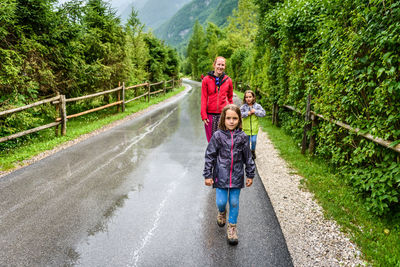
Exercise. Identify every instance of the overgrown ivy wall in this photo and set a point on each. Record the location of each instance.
(346, 54)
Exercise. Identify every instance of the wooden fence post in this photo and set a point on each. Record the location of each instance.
(173, 83)
(63, 114)
(123, 96)
(311, 146)
(118, 96)
(148, 95)
(275, 109)
(306, 126)
(58, 111)
(165, 87)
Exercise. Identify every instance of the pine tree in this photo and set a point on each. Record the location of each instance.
(197, 50)
(137, 50)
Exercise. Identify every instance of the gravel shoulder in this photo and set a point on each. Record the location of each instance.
(312, 240)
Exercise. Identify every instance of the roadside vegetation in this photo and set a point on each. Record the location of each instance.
(46, 140)
(74, 49)
(376, 236)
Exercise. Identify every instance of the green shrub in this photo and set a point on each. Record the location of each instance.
(346, 54)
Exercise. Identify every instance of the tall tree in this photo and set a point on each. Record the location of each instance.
(137, 49)
(197, 50)
(242, 28)
(163, 61)
(104, 42)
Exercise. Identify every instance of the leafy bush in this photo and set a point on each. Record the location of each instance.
(346, 55)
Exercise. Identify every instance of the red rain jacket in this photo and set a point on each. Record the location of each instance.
(214, 98)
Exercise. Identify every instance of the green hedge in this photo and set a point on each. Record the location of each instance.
(346, 54)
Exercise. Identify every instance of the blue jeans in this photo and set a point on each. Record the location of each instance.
(252, 141)
(222, 199)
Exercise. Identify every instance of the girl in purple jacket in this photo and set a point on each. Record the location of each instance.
(227, 153)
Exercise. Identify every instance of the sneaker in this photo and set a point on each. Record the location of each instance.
(221, 218)
(232, 234)
(253, 153)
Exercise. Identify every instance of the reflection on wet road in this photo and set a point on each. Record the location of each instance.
(132, 196)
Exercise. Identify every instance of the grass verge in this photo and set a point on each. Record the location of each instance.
(46, 139)
(377, 237)
(239, 94)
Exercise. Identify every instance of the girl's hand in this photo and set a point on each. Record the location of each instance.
(209, 181)
(206, 121)
(249, 182)
(253, 111)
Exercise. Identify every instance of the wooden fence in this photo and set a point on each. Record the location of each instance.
(61, 105)
(311, 119)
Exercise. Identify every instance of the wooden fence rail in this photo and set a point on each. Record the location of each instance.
(314, 116)
(10, 111)
(311, 121)
(33, 130)
(60, 101)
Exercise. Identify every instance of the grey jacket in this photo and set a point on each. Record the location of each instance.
(225, 157)
(259, 111)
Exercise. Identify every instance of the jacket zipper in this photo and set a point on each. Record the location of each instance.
(218, 100)
(251, 126)
(230, 175)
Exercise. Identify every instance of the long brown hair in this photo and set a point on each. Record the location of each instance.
(249, 92)
(233, 107)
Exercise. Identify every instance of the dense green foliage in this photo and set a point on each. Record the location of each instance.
(75, 49)
(178, 29)
(345, 54)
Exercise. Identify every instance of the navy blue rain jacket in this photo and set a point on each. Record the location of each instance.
(226, 154)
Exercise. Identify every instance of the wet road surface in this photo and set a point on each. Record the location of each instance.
(133, 196)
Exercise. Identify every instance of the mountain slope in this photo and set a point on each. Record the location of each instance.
(153, 13)
(179, 28)
(156, 12)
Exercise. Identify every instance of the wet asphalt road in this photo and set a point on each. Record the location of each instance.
(133, 196)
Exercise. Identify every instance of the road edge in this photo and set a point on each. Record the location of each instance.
(83, 137)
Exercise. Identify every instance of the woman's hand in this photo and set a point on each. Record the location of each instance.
(209, 181)
(249, 182)
(206, 121)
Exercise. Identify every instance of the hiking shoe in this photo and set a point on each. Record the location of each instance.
(232, 234)
(221, 218)
(253, 153)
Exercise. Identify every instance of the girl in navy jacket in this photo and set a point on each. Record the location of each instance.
(227, 153)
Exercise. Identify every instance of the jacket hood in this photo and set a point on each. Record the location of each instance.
(211, 73)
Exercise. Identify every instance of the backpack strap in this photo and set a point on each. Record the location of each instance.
(224, 80)
(220, 83)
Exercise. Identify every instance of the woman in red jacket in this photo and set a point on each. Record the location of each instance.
(216, 93)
